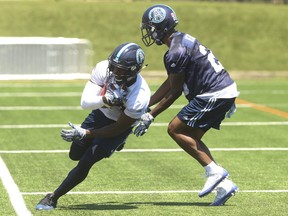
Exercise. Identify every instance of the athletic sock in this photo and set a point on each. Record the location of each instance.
(213, 168)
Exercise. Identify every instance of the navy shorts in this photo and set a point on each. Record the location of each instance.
(96, 119)
(205, 114)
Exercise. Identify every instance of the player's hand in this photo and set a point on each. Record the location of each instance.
(144, 123)
(114, 95)
(76, 133)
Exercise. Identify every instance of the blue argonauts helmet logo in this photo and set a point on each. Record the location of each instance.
(157, 15)
(140, 56)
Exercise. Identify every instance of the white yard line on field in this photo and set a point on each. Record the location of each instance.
(278, 92)
(12, 189)
(151, 192)
(33, 126)
(141, 150)
(42, 85)
(179, 106)
(28, 126)
(18, 108)
(65, 85)
(42, 94)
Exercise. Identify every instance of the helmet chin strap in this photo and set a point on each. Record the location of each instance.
(127, 82)
(156, 38)
(158, 42)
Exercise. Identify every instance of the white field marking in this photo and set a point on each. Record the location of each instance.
(151, 192)
(180, 106)
(9, 108)
(12, 189)
(34, 126)
(52, 94)
(42, 94)
(12, 108)
(140, 150)
(153, 125)
(57, 77)
(41, 85)
(267, 92)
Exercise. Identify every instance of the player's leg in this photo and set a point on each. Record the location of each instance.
(97, 149)
(189, 139)
(189, 126)
(92, 155)
(77, 150)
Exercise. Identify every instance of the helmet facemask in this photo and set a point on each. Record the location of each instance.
(150, 34)
(121, 75)
(147, 32)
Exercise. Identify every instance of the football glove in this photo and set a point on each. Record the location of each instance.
(144, 123)
(114, 95)
(76, 133)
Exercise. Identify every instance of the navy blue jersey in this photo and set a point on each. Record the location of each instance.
(203, 72)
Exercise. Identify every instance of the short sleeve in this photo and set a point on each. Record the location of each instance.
(176, 60)
(99, 73)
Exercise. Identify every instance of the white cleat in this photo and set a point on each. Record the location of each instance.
(225, 190)
(213, 179)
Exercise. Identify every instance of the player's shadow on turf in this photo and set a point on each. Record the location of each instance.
(182, 204)
(130, 205)
(103, 206)
(170, 203)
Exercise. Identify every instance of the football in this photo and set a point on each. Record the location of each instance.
(103, 90)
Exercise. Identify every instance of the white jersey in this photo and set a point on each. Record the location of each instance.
(137, 99)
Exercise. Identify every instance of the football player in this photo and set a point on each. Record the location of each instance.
(192, 69)
(117, 95)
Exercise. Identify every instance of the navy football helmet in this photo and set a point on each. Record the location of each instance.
(157, 21)
(125, 62)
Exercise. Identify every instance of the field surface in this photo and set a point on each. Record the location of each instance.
(151, 176)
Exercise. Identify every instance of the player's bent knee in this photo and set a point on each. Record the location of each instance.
(77, 150)
(171, 130)
(74, 157)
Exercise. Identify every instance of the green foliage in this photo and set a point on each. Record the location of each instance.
(242, 36)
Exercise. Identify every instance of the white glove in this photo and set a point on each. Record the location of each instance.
(114, 95)
(142, 127)
(77, 133)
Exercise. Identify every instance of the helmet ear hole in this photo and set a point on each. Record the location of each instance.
(133, 68)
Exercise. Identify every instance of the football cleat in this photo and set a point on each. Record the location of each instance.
(225, 190)
(213, 179)
(120, 147)
(47, 203)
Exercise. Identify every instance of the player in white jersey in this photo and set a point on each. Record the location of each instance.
(118, 96)
(193, 70)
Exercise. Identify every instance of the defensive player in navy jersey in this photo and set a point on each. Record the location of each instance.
(194, 70)
(117, 95)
